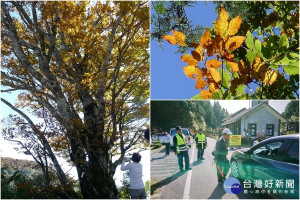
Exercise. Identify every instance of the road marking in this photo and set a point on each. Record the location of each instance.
(187, 187)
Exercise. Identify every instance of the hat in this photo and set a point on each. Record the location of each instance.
(178, 128)
(226, 131)
(200, 129)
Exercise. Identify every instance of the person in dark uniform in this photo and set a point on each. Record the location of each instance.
(181, 149)
(220, 154)
(201, 143)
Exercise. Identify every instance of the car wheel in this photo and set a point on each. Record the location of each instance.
(235, 169)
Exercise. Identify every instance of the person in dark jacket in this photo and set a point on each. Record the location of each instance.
(220, 154)
(181, 149)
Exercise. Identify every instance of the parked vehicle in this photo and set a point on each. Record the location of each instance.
(276, 158)
(158, 137)
(185, 132)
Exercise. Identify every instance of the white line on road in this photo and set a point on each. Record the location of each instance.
(187, 187)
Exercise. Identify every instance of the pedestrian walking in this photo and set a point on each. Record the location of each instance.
(220, 154)
(181, 149)
(136, 187)
(167, 140)
(201, 144)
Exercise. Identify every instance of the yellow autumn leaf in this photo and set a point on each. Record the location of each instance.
(234, 25)
(189, 60)
(258, 68)
(205, 94)
(205, 39)
(198, 53)
(192, 71)
(203, 71)
(194, 44)
(270, 76)
(258, 64)
(210, 50)
(234, 42)
(219, 44)
(213, 64)
(180, 37)
(215, 74)
(221, 25)
(224, 15)
(233, 65)
(169, 38)
(200, 83)
(244, 73)
(213, 87)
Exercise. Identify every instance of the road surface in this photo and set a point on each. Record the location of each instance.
(198, 183)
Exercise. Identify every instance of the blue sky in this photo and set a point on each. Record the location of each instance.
(168, 80)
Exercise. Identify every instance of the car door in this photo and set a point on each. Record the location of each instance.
(262, 160)
(287, 169)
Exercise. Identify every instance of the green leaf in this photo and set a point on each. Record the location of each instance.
(283, 41)
(282, 61)
(292, 68)
(227, 66)
(267, 52)
(250, 56)
(257, 46)
(226, 78)
(235, 75)
(294, 55)
(240, 89)
(226, 94)
(217, 95)
(249, 40)
(197, 97)
(274, 66)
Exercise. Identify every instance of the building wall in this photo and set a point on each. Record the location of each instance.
(261, 117)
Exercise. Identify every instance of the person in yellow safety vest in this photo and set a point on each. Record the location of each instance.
(181, 149)
(201, 144)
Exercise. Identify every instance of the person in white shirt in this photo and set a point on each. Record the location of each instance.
(167, 140)
(136, 187)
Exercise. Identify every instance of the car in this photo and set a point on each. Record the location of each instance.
(275, 159)
(158, 137)
(185, 131)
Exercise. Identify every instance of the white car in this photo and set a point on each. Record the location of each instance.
(158, 137)
(185, 132)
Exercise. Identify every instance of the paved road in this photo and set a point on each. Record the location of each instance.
(198, 183)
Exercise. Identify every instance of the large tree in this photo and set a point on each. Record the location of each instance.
(87, 64)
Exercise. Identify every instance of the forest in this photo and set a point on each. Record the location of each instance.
(188, 114)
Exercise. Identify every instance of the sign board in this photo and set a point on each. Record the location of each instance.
(290, 132)
(235, 140)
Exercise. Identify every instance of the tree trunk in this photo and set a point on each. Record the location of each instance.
(97, 181)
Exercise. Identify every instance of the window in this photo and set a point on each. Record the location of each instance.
(269, 150)
(270, 129)
(252, 129)
(293, 153)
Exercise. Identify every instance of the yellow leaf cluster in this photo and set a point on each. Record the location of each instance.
(176, 38)
(224, 42)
